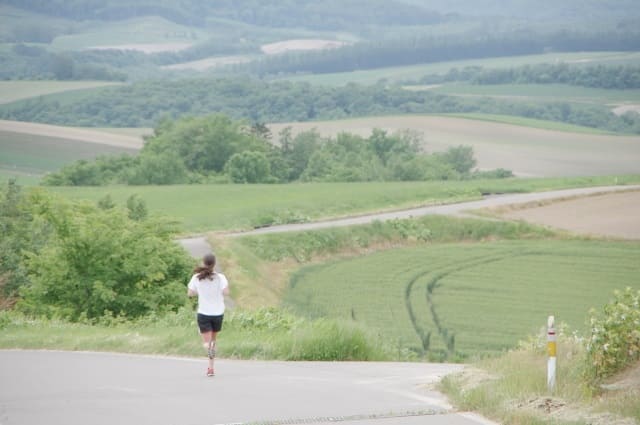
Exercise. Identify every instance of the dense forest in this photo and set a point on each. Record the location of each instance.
(146, 103)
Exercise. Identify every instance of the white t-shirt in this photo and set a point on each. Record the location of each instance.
(210, 295)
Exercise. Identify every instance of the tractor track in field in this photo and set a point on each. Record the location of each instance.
(448, 338)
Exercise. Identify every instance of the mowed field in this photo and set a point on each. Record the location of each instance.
(29, 150)
(467, 298)
(527, 151)
(11, 91)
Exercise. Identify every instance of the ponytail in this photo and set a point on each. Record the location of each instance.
(206, 270)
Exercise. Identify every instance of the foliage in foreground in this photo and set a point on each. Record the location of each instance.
(615, 336)
(77, 260)
(512, 388)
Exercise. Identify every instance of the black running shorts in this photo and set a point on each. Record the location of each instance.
(209, 323)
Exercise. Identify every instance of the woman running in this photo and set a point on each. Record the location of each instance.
(210, 287)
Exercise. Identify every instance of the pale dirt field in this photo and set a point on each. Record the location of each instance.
(623, 109)
(302, 44)
(204, 64)
(84, 135)
(615, 215)
(528, 152)
(146, 48)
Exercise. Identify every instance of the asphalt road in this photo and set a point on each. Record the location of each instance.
(77, 388)
(448, 209)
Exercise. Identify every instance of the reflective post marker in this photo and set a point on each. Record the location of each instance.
(551, 348)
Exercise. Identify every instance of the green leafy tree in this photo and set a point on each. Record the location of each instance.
(101, 263)
(20, 233)
(137, 208)
(460, 158)
(249, 167)
(162, 168)
(204, 144)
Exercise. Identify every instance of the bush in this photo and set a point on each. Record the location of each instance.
(615, 337)
(102, 264)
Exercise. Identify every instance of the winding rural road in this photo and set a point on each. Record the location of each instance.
(102, 388)
(198, 245)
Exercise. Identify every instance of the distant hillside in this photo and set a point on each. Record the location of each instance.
(326, 15)
(535, 9)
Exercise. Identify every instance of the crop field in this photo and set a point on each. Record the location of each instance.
(11, 91)
(33, 155)
(527, 151)
(467, 299)
(542, 92)
(415, 72)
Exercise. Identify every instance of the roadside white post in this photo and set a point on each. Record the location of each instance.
(551, 349)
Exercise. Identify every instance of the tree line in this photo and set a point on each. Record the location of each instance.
(217, 148)
(430, 49)
(618, 77)
(146, 103)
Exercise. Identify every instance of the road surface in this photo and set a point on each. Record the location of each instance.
(79, 388)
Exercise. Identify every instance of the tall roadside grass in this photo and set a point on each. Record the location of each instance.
(267, 334)
(512, 387)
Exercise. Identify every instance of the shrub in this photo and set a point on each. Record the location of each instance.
(615, 337)
(102, 264)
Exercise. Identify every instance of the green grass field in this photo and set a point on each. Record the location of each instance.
(532, 123)
(542, 92)
(32, 155)
(467, 298)
(228, 207)
(415, 72)
(11, 91)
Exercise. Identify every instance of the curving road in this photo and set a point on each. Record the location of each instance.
(79, 388)
(198, 245)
